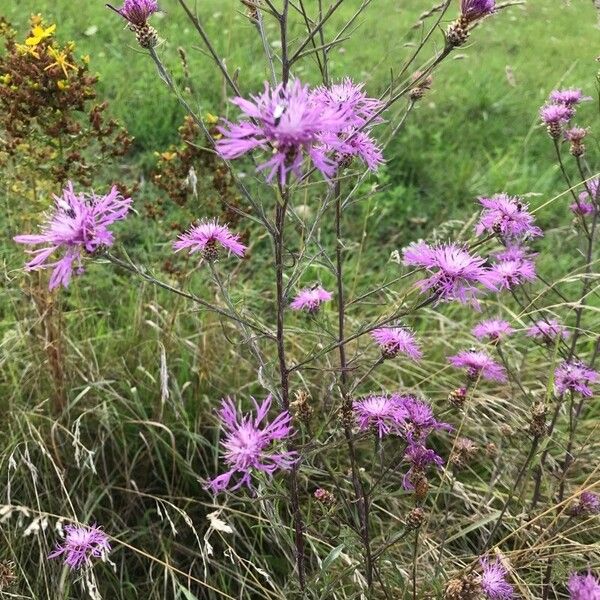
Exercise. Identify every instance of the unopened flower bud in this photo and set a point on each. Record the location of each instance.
(537, 424)
(458, 397)
(300, 407)
(464, 452)
(415, 518)
(457, 33)
(422, 85)
(466, 587)
(324, 497)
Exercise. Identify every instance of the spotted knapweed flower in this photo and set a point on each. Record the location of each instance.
(568, 97)
(455, 273)
(548, 330)
(582, 207)
(507, 216)
(587, 504)
(354, 140)
(250, 444)
(288, 122)
(419, 457)
(507, 274)
(493, 580)
(137, 11)
(397, 340)
(416, 419)
(360, 108)
(554, 116)
(591, 187)
(206, 237)
(478, 364)
(583, 587)
(77, 227)
(493, 330)
(82, 544)
(472, 10)
(380, 413)
(576, 377)
(310, 299)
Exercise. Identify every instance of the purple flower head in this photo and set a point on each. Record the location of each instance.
(493, 580)
(574, 377)
(206, 237)
(576, 135)
(249, 443)
(351, 143)
(555, 114)
(419, 457)
(583, 587)
(310, 299)
(568, 97)
(593, 185)
(476, 9)
(350, 96)
(397, 340)
(417, 420)
(81, 545)
(507, 216)
(588, 504)
(78, 226)
(507, 274)
(137, 11)
(455, 274)
(547, 330)
(382, 413)
(493, 330)
(478, 364)
(582, 207)
(286, 120)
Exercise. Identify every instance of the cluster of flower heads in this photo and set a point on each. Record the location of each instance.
(558, 111)
(251, 444)
(292, 122)
(406, 416)
(583, 587)
(78, 226)
(82, 544)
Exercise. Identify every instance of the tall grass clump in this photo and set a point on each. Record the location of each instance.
(248, 405)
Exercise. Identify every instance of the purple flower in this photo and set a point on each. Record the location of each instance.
(206, 237)
(248, 445)
(382, 413)
(555, 114)
(593, 186)
(416, 419)
(396, 340)
(478, 364)
(507, 274)
(310, 299)
(81, 545)
(583, 587)
(359, 107)
(419, 457)
(476, 9)
(493, 580)
(547, 330)
(353, 140)
(507, 216)
(455, 273)
(582, 207)
(137, 11)
(287, 121)
(574, 377)
(493, 330)
(568, 97)
(588, 504)
(576, 135)
(77, 227)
